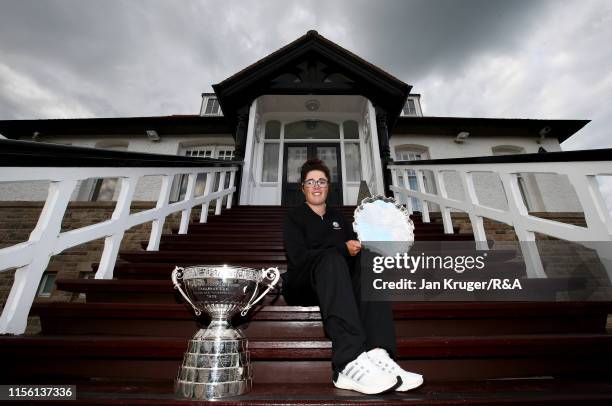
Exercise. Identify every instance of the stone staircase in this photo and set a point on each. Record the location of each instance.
(126, 342)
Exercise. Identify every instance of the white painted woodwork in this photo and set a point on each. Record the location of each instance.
(582, 176)
(31, 258)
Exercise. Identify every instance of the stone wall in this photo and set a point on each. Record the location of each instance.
(18, 219)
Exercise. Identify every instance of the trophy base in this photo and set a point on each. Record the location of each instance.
(207, 391)
(215, 368)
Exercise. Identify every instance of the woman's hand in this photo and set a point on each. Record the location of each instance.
(353, 247)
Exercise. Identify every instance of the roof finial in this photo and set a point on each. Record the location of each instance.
(312, 32)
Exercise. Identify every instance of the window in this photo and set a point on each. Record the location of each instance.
(225, 153)
(179, 187)
(45, 288)
(273, 130)
(270, 162)
(211, 107)
(407, 155)
(410, 108)
(200, 152)
(351, 130)
(353, 162)
(312, 129)
(411, 153)
(513, 150)
(102, 189)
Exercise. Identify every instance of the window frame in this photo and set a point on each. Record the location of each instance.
(43, 282)
(214, 149)
(423, 154)
(216, 107)
(408, 110)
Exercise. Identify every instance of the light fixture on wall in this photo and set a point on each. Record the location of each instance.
(153, 135)
(461, 137)
(543, 133)
(312, 105)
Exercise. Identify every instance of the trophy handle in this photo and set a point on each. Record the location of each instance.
(177, 275)
(273, 274)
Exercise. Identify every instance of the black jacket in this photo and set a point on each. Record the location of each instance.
(308, 236)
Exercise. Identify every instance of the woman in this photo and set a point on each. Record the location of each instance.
(324, 270)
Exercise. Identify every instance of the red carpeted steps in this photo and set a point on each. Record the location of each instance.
(490, 392)
(418, 319)
(135, 328)
(285, 360)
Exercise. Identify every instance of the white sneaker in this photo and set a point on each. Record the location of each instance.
(363, 376)
(381, 359)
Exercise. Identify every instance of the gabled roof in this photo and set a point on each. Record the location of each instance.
(383, 89)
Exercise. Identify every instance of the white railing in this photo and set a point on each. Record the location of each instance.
(31, 258)
(581, 174)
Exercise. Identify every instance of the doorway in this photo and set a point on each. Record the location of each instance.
(295, 156)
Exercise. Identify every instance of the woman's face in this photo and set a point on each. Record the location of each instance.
(315, 194)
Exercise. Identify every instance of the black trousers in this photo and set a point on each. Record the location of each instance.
(334, 284)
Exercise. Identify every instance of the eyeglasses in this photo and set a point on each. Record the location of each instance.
(322, 183)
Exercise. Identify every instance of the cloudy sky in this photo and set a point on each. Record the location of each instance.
(85, 58)
(477, 58)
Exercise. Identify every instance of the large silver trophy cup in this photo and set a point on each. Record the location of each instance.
(217, 363)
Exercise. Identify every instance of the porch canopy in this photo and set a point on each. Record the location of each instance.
(314, 65)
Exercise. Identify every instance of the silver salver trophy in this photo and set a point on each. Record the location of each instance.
(384, 226)
(217, 362)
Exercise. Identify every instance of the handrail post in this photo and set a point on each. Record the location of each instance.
(407, 186)
(14, 318)
(424, 203)
(112, 243)
(231, 185)
(189, 193)
(157, 226)
(210, 178)
(480, 236)
(447, 220)
(219, 189)
(526, 238)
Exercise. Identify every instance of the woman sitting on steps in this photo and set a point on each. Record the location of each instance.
(323, 269)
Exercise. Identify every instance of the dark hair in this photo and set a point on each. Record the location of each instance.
(314, 164)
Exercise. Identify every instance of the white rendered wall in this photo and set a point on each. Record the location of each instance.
(147, 187)
(546, 192)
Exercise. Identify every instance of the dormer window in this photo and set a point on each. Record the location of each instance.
(210, 106)
(410, 108)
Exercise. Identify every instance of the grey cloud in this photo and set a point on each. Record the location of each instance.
(126, 58)
(414, 38)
